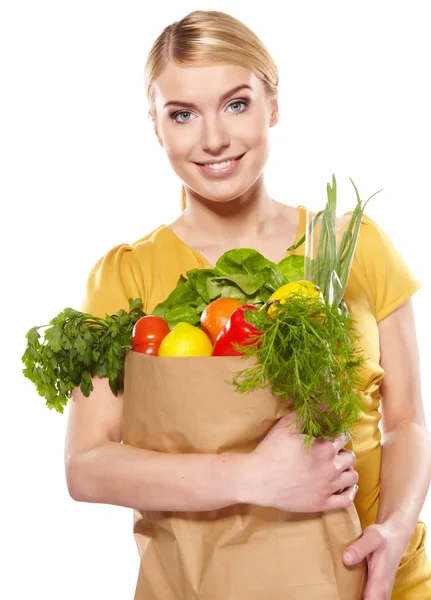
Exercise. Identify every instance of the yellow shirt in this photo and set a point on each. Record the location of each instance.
(380, 281)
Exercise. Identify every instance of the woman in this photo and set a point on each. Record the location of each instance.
(212, 89)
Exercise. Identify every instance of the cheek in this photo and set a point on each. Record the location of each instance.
(253, 130)
(257, 140)
(178, 144)
(180, 148)
(177, 141)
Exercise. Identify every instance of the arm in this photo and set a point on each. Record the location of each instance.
(100, 469)
(406, 448)
(406, 458)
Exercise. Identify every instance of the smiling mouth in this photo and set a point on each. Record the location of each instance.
(237, 158)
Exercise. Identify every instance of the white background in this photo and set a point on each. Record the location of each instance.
(82, 172)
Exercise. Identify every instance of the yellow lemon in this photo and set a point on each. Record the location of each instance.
(186, 340)
(302, 287)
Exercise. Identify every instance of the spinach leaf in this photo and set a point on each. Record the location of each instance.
(292, 268)
(247, 261)
(201, 282)
(249, 284)
(182, 313)
(182, 295)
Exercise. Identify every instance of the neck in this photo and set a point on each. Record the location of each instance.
(246, 217)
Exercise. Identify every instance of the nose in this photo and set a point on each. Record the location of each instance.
(214, 135)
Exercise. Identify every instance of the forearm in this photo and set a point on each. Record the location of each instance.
(126, 476)
(405, 475)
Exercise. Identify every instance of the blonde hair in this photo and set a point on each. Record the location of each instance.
(205, 37)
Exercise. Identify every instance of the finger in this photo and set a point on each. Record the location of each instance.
(341, 499)
(341, 441)
(345, 459)
(347, 478)
(376, 589)
(370, 541)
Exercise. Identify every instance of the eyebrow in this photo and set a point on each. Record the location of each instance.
(222, 97)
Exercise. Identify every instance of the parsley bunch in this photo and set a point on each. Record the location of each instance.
(308, 355)
(77, 346)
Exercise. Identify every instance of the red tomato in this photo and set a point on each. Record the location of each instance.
(150, 349)
(149, 330)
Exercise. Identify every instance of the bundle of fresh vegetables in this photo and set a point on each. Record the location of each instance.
(75, 347)
(289, 316)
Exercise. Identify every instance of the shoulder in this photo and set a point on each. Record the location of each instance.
(151, 241)
(377, 250)
(120, 274)
(383, 268)
(372, 243)
(370, 231)
(127, 256)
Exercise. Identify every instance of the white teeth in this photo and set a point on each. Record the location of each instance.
(219, 166)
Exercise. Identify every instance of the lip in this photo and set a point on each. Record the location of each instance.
(222, 172)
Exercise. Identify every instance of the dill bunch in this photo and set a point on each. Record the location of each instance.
(307, 355)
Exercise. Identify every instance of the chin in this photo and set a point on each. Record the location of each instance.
(223, 193)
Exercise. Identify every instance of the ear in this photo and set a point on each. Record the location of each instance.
(274, 111)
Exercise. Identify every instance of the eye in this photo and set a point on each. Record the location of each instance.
(177, 113)
(245, 102)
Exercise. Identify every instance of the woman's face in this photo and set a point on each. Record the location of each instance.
(206, 122)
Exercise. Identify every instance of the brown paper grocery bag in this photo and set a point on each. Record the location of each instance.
(241, 552)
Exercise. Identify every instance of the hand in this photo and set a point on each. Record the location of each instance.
(280, 474)
(383, 545)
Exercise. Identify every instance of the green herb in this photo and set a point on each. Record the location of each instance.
(77, 346)
(307, 354)
(330, 268)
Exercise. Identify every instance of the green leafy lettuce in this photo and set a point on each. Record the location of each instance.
(242, 273)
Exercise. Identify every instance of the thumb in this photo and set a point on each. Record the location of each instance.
(369, 542)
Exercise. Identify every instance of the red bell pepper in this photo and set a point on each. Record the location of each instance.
(238, 330)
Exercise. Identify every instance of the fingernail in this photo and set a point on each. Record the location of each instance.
(349, 557)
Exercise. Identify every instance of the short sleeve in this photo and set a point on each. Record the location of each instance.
(114, 279)
(390, 279)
